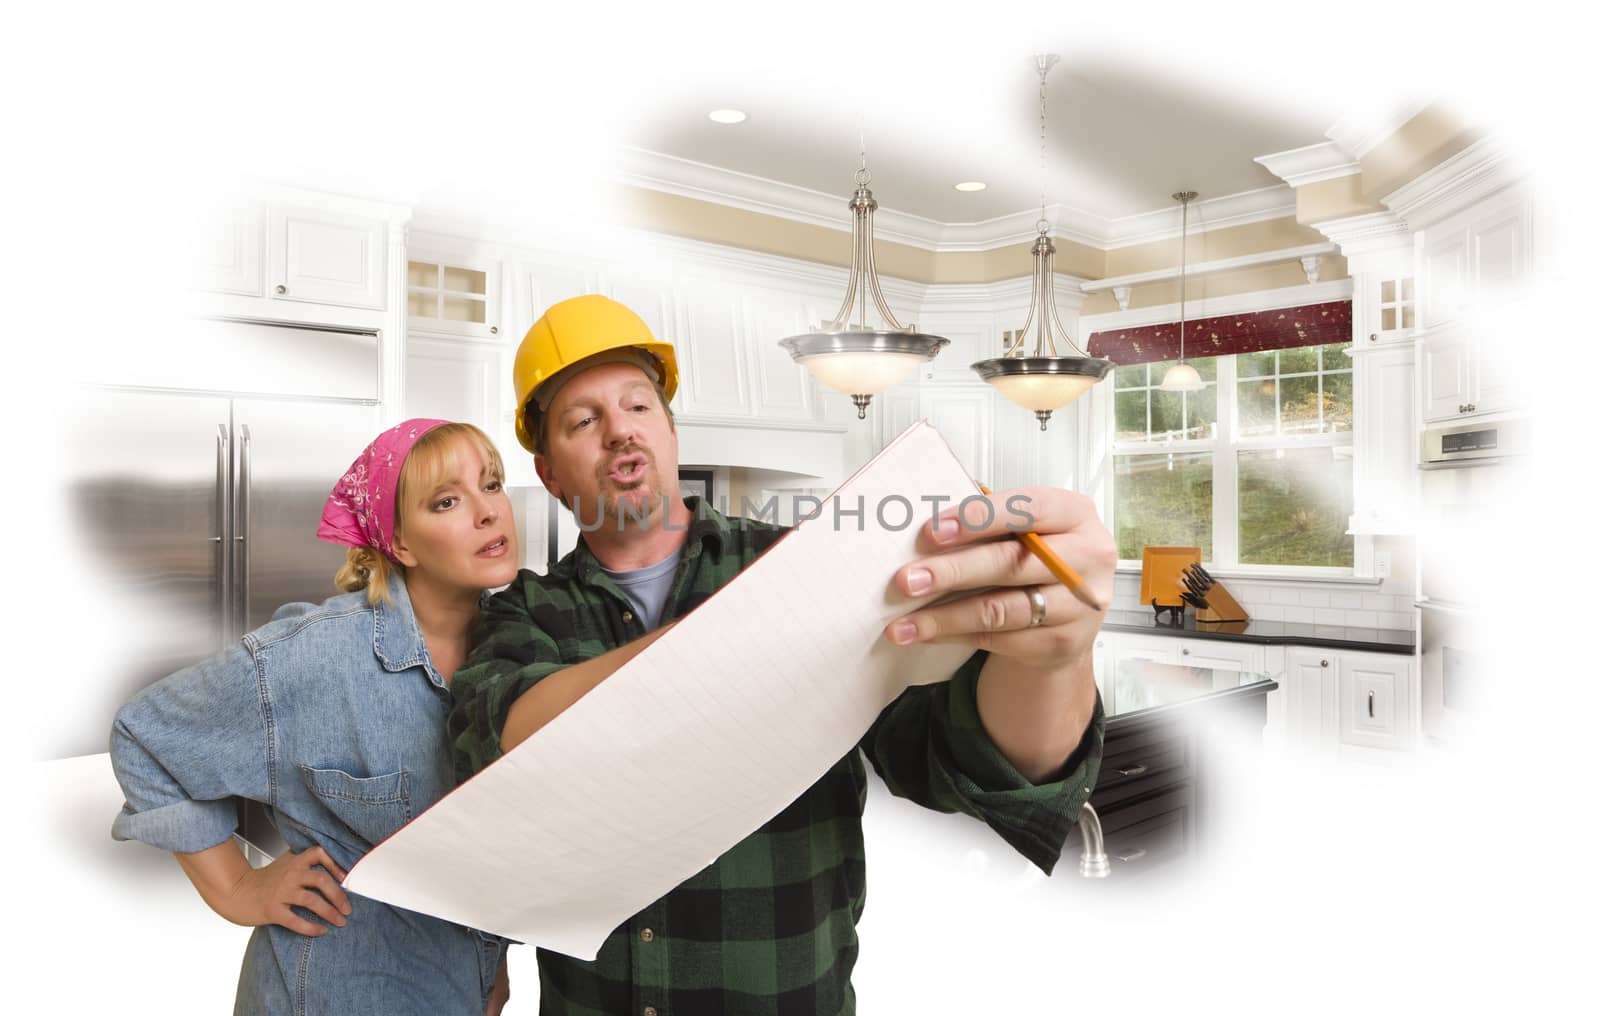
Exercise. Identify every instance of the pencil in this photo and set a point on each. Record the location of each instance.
(1059, 568)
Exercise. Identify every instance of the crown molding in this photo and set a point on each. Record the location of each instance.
(1357, 134)
(1371, 233)
(1311, 164)
(1260, 205)
(713, 184)
(1465, 178)
(1270, 257)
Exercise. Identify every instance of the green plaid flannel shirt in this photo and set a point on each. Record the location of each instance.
(770, 926)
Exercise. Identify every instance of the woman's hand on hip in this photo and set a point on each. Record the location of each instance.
(308, 880)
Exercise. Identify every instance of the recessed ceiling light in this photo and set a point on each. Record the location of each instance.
(972, 185)
(728, 115)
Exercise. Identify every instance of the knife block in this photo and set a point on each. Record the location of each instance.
(1220, 606)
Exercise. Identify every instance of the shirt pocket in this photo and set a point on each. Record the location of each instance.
(373, 807)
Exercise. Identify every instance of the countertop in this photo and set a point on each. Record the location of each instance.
(1331, 636)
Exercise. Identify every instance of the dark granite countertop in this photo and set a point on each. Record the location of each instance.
(1330, 636)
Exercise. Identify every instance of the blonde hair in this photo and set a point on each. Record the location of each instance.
(429, 462)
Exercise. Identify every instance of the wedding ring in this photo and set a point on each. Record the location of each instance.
(1036, 601)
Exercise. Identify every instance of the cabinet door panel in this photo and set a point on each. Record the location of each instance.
(1447, 366)
(964, 416)
(318, 257)
(452, 381)
(1374, 703)
(232, 247)
(782, 388)
(1444, 275)
(711, 355)
(1312, 706)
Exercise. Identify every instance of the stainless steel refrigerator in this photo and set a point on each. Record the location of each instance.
(199, 501)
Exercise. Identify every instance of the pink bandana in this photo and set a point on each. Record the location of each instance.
(360, 511)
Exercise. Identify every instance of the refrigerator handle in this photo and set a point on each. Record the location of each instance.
(242, 537)
(224, 563)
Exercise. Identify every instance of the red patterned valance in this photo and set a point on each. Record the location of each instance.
(1313, 325)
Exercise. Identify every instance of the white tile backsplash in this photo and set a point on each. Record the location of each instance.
(1384, 605)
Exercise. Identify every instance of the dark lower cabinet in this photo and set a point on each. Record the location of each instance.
(1153, 789)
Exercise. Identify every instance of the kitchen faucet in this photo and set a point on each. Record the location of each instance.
(1093, 863)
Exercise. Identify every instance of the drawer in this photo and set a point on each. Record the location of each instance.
(1163, 836)
(1141, 762)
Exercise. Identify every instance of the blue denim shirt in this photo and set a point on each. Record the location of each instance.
(333, 716)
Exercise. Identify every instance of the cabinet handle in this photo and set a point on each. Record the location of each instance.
(494, 329)
(1370, 713)
(1136, 770)
(1472, 407)
(1373, 337)
(1127, 856)
(1324, 663)
(280, 289)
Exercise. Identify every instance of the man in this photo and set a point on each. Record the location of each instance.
(1014, 738)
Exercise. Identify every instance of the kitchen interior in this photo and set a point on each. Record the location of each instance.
(1303, 644)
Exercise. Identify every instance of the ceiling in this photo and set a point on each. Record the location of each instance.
(1120, 138)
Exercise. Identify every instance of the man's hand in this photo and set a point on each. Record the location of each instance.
(1036, 692)
(983, 558)
(257, 896)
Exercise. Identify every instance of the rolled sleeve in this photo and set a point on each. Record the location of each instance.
(929, 746)
(185, 747)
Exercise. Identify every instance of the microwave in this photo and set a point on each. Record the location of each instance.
(1472, 444)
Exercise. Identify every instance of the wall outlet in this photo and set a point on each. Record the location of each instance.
(1380, 564)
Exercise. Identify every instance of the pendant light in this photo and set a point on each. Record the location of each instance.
(1042, 381)
(856, 358)
(1181, 377)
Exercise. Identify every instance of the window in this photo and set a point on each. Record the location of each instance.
(1254, 468)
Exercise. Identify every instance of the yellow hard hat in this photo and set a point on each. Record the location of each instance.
(573, 331)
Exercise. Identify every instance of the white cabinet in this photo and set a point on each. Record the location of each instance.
(1216, 654)
(453, 380)
(1384, 300)
(232, 262)
(1385, 465)
(1349, 702)
(304, 256)
(1446, 288)
(451, 294)
(1375, 700)
(1449, 374)
(1467, 371)
(1310, 682)
(1473, 268)
(315, 255)
(964, 415)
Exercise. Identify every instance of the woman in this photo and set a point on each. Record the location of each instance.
(334, 716)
